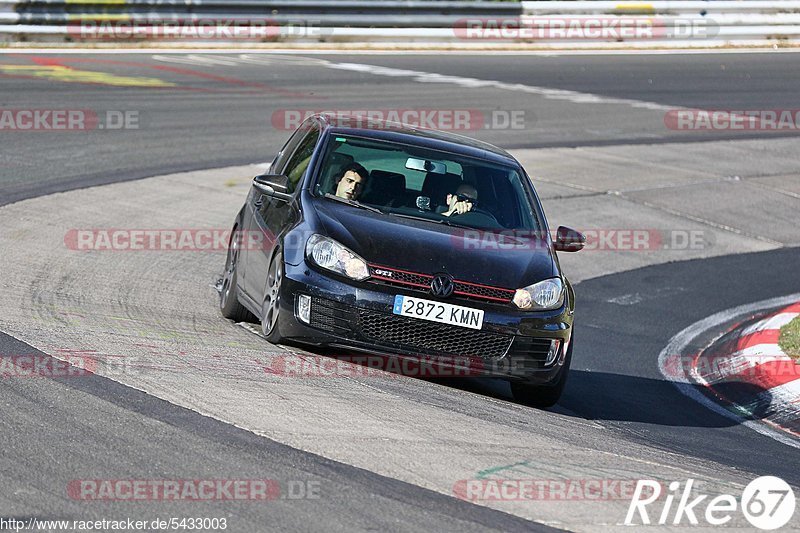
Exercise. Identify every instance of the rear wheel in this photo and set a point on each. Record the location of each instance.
(271, 308)
(229, 295)
(544, 395)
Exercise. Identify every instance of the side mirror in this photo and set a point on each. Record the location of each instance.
(569, 240)
(274, 185)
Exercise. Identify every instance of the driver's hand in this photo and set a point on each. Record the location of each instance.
(456, 207)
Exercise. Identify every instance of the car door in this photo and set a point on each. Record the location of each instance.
(253, 237)
(271, 217)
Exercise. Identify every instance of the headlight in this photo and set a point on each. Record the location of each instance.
(330, 255)
(547, 294)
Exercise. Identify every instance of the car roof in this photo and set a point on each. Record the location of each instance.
(363, 126)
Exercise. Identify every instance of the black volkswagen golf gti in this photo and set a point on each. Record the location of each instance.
(391, 240)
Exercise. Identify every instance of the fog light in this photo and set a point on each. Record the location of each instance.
(553, 353)
(304, 308)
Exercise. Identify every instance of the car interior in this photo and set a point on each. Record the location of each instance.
(396, 185)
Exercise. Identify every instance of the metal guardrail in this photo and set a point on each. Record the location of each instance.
(503, 24)
(714, 22)
(326, 13)
(660, 6)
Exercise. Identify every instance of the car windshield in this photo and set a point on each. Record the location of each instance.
(441, 187)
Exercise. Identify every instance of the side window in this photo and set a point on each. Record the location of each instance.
(301, 157)
(287, 150)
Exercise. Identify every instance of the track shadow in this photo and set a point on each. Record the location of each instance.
(601, 396)
(605, 397)
(614, 397)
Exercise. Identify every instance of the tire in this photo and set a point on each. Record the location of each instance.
(542, 396)
(271, 308)
(229, 304)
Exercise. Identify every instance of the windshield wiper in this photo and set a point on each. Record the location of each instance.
(354, 203)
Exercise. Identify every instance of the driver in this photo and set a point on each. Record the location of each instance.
(462, 201)
(354, 178)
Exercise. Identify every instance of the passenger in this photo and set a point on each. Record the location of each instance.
(462, 201)
(352, 182)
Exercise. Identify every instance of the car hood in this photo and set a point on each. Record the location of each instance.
(428, 248)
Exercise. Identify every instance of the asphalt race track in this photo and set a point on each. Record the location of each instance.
(239, 96)
(181, 393)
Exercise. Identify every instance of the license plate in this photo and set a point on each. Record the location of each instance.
(455, 315)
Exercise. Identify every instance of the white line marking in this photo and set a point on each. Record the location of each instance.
(681, 340)
(182, 59)
(196, 59)
(773, 322)
(475, 83)
(211, 60)
(779, 400)
(432, 77)
(237, 60)
(700, 220)
(758, 351)
(281, 59)
(788, 392)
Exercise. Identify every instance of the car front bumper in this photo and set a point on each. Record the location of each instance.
(358, 316)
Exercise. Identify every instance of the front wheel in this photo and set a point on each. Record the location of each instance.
(542, 396)
(271, 308)
(229, 304)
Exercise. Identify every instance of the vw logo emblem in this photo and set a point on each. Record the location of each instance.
(442, 285)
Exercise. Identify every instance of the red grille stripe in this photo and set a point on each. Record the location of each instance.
(512, 291)
(400, 282)
(481, 296)
(460, 284)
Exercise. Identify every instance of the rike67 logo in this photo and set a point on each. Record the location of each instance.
(767, 502)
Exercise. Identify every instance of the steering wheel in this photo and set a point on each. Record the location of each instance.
(483, 211)
(477, 215)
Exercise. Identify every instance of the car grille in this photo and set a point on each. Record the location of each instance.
(533, 349)
(423, 282)
(404, 333)
(331, 316)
